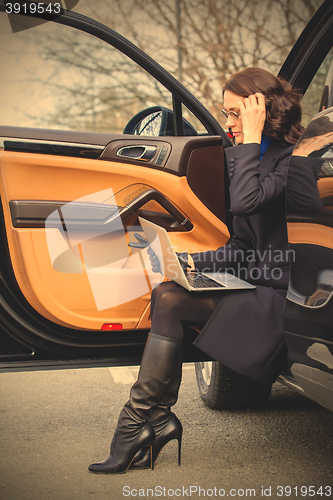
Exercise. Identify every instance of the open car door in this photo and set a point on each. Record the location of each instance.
(75, 281)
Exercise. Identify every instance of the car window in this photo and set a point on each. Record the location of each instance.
(193, 121)
(54, 76)
(314, 99)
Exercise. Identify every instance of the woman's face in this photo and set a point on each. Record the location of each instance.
(231, 103)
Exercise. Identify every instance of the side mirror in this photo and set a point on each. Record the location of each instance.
(156, 121)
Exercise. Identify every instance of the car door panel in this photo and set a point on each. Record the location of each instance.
(66, 298)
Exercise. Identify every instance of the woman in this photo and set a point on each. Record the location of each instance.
(241, 329)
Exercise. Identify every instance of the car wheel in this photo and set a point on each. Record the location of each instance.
(223, 388)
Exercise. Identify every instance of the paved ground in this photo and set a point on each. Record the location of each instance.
(54, 423)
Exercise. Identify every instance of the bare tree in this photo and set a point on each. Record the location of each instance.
(201, 42)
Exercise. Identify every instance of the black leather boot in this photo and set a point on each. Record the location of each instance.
(165, 423)
(134, 432)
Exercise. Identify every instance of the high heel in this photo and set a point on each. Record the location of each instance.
(165, 432)
(134, 430)
(126, 443)
(179, 448)
(165, 423)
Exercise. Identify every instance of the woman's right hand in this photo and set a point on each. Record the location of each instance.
(253, 114)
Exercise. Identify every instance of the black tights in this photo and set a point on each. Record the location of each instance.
(172, 306)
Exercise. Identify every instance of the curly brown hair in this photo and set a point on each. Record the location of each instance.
(283, 109)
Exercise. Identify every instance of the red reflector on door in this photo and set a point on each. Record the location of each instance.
(112, 326)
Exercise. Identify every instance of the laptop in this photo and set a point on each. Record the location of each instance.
(194, 281)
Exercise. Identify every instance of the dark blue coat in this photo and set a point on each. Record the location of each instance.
(245, 332)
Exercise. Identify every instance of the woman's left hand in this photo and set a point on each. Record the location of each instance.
(253, 113)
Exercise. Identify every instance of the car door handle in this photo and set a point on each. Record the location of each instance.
(143, 153)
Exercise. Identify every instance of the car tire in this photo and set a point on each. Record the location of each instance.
(223, 388)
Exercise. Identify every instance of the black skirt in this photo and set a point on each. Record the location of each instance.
(245, 332)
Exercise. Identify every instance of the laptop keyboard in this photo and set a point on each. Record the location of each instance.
(198, 280)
